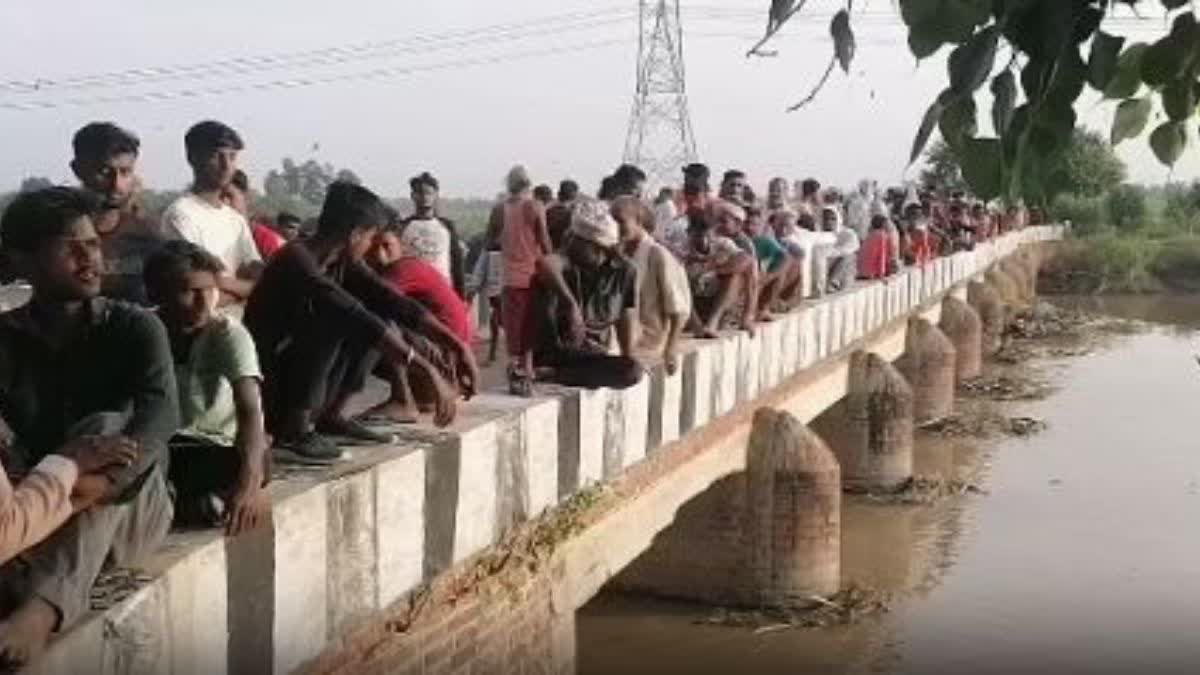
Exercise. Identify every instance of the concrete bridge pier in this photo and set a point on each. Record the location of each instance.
(962, 324)
(1005, 285)
(871, 430)
(929, 364)
(768, 537)
(793, 514)
(1019, 276)
(1031, 261)
(986, 301)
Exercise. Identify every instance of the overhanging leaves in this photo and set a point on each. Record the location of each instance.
(1102, 59)
(932, 23)
(958, 122)
(932, 116)
(982, 166)
(971, 64)
(1128, 78)
(1168, 142)
(1179, 100)
(1004, 100)
(1131, 119)
(843, 39)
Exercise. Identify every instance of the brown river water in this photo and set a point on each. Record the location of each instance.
(1083, 556)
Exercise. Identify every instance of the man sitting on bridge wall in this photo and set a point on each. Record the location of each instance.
(75, 363)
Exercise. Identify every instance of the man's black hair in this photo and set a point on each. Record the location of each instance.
(167, 266)
(608, 188)
(209, 136)
(626, 178)
(241, 181)
(629, 174)
(568, 190)
(543, 193)
(810, 186)
(733, 174)
(34, 218)
(425, 178)
(696, 170)
(101, 141)
(349, 207)
(284, 218)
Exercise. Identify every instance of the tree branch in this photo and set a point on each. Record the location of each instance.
(812, 95)
(756, 49)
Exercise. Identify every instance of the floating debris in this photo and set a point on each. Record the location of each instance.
(920, 491)
(1006, 387)
(1026, 426)
(983, 421)
(848, 606)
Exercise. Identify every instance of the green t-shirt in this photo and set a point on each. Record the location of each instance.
(221, 354)
(770, 253)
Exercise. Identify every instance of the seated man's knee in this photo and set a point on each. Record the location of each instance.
(104, 423)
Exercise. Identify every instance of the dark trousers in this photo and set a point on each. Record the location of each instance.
(62, 569)
(593, 371)
(320, 365)
(202, 475)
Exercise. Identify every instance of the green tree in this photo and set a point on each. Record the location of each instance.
(1052, 50)
(1126, 206)
(942, 168)
(303, 186)
(1087, 167)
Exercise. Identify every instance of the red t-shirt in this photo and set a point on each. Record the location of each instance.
(876, 253)
(922, 246)
(423, 282)
(267, 241)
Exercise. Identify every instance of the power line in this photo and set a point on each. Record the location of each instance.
(327, 56)
(296, 83)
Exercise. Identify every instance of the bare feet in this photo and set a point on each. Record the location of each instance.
(707, 333)
(24, 634)
(748, 326)
(766, 316)
(394, 411)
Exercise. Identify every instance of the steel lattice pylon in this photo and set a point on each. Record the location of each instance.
(660, 138)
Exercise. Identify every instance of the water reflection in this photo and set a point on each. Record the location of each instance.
(1081, 559)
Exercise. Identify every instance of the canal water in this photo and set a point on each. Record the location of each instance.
(1084, 556)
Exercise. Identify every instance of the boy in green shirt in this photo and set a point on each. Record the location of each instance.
(219, 460)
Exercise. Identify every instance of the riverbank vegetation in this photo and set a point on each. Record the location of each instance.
(1132, 239)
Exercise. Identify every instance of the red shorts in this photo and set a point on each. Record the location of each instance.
(515, 315)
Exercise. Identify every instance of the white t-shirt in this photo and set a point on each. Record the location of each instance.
(429, 240)
(663, 291)
(220, 230)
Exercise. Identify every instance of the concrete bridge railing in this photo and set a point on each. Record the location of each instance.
(376, 565)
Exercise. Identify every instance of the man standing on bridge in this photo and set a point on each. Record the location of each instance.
(202, 217)
(106, 165)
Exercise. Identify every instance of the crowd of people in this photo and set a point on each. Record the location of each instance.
(162, 364)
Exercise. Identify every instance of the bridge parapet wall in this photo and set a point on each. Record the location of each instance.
(351, 542)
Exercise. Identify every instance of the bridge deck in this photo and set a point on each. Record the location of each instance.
(351, 540)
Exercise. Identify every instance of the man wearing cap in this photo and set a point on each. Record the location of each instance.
(720, 273)
(581, 295)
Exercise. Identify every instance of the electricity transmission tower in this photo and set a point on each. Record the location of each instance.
(660, 138)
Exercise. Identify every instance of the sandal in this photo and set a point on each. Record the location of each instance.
(520, 383)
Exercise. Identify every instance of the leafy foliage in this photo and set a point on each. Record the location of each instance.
(304, 183)
(1087, 167)
(1127, 208)
(1046, 42)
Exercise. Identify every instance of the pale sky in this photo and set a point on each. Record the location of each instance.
(562, 112)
